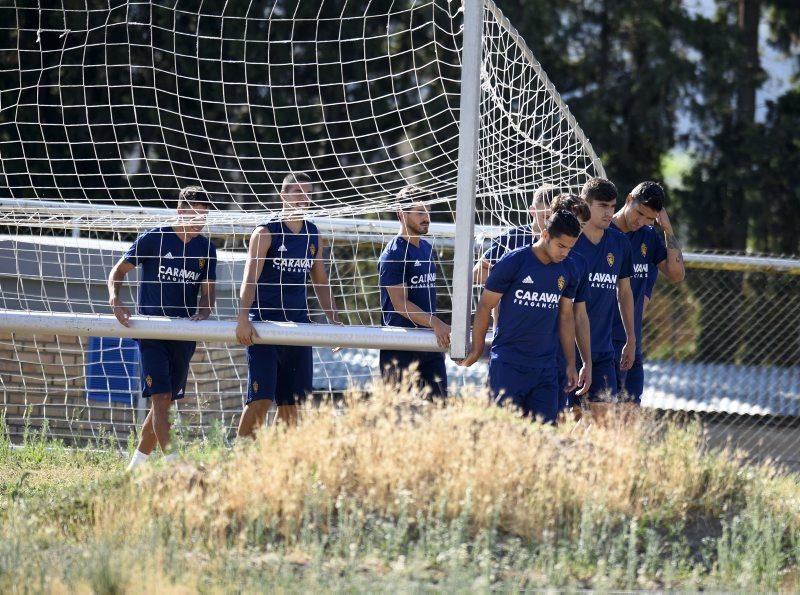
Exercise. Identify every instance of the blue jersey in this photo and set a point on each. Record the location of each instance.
(527, 325)
(652, 277)
(403, 263)
(281, 290)
(514, 238)
(647, 251)
(172, 271)
(608, 261)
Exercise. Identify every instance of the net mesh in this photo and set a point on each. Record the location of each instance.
(108, 109)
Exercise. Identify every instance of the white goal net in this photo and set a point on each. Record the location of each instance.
(108, 109)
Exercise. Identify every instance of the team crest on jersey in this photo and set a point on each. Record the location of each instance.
(644, 249)
(313, 249)
(149, 381)
(202, 263)
(561, 283)
(610, 259)
(255, 387)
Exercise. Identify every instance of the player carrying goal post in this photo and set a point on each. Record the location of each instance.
(282, 255)
(178, 263)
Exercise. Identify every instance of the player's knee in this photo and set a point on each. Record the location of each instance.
(161, 401)
(258, 408)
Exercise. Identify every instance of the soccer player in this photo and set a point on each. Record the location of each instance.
(608, 255)
(516, 237)
(652, 252)
(282, 255)
(578, 207)
(408, 275)
(178, 263)
(533, 288)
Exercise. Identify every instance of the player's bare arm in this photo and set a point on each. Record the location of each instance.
(480, 272)
(322, 288)
(625, 299)
(260, 241)
(673, 267)
(398, 294)
(115, 280)
(583, 338)
(566, 332)
(487, 303)
(208, 297)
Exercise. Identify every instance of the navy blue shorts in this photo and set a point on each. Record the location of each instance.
(631, 382)
(604, 377)
(165, 366)
(533, 390)
(430, 366)
(280, 373)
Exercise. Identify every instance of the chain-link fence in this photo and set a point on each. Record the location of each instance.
(725, 344)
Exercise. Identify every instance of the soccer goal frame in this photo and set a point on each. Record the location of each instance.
(460, 235)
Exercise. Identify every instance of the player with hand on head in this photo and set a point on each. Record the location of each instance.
(178, 264)
(408, 275)
(652, 252)
(281, 258)
(532, 288)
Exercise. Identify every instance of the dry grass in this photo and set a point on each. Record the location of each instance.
(393, 454)
(396, 489)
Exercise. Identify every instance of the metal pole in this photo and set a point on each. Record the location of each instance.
(217, 331)
(465, 191)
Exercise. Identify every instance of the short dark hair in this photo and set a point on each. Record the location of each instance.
(545, 194)
(192, 196)
(563, 223)
(651, 195)
(574, 204)
(411, 195)
(599, 189)
(295, 178)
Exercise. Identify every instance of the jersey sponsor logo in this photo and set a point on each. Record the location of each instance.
(528, 279)
(282, 248)
(176, 274)
(643, 249)
(417, 263)
(424, 280)
(149, 381)
(168, 255)
(293, 265)
(640, 271)
(561, 282)
(610, 259)
(536, 299)
(603, 280)
(202, 263)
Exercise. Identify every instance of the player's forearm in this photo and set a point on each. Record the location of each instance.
(480, 325)
(208, 297)
(583, 335)
(480, 272)
(625, 298)
(415, 314)
(114, 284)
(566, 331)
(327, 303)
(675, 268)
(247, 295)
